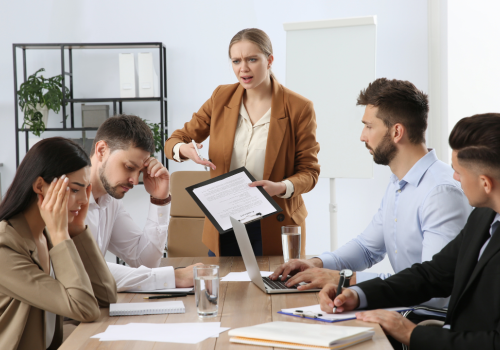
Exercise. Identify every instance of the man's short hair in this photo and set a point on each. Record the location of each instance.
(398, 101)
(477, 142)
(123, 131)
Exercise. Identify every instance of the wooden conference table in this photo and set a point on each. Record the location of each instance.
(241, 304)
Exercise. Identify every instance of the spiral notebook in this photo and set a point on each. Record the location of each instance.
(154, 308)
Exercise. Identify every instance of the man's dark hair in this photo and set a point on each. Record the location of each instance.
(398, 101)
(123, 131)
(477, 141)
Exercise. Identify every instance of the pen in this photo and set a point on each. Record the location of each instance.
(166, 296)
(339, 290)
(197, 150)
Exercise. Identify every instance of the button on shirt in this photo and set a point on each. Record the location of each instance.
(418, 216)
(249, 147)
(113, 229)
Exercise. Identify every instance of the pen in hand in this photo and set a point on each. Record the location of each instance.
(339, 290)
(198, 152)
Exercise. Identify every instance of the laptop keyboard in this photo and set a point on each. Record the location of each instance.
(278, 284)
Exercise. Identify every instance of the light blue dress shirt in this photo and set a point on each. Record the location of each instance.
(418, 216)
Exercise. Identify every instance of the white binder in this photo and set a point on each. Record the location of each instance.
(127, 75)
(148, 79)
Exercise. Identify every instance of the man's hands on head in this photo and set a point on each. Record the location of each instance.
(156, 178)
(393, 323)
(184, 277)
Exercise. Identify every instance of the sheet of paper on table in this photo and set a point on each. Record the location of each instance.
(316, 309)
(158, 291)
(186, 333)
(242, 276)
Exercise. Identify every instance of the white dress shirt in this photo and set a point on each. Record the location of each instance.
(50, 318)
(114, 230)
(249, 147)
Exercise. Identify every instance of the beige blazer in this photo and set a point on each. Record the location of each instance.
(82, 276)
(291, 153)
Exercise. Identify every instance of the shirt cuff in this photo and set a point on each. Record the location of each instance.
(363, 303)
(328, 261)
(365, 276)
(176, 152)
(164, 277)
(159, 213)
(289, 189)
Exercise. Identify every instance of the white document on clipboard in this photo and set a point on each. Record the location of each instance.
(229, 195)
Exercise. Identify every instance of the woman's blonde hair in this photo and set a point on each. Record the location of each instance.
(256, 36)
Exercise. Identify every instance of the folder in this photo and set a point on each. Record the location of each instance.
(292, 335)
(148, 79)
(127, 75)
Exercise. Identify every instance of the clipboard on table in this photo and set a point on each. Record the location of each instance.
(269, 205)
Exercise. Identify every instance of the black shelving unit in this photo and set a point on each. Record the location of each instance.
(67, 49)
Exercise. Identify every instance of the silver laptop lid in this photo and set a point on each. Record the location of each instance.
(247, 253)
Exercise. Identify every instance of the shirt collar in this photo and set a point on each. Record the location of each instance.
(266, 118)
(414, 176)
(103, 201)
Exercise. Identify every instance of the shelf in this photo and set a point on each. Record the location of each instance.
(113, 99)
(40, 46)
(64, 129)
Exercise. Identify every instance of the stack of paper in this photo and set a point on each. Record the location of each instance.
(186, 333)
(292, 335)
(242, 276)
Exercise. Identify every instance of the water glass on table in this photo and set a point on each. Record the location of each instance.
(206, 290)
(290, 239)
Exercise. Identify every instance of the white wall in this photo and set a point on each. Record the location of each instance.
(473, 58)
(197, 34)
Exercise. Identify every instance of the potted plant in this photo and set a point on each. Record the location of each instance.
(37, 96)
(155, 129)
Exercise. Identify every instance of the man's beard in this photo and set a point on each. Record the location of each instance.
(385, 151)
(112, 191)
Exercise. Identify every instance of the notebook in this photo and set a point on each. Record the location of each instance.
(133, 309)
(302, 336)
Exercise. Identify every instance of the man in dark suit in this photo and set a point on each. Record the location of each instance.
(468, 268)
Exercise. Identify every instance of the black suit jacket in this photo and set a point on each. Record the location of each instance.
(474, 286)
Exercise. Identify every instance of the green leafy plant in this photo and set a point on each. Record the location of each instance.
(42, 91)
(155, 129)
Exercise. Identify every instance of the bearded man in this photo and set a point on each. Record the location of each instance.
(423, 207)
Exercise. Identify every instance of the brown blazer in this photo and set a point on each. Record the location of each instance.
(26, 290)
(291, 153)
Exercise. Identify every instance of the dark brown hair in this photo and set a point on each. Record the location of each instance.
(48, 158)
(477, 141)
(401, 102)
(256, 36)
(123, 131)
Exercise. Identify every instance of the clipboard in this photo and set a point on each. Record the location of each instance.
(207, 213)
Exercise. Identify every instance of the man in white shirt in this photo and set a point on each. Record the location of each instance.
(121, 151)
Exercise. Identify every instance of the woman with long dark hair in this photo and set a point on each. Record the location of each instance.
(51, 266)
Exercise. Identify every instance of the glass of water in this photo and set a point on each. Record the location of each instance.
(290, 240)
(206, 290)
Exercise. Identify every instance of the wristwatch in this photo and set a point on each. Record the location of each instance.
(347, 277)
(158, 201)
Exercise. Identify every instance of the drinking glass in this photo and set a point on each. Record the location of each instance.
(290, 239)
(206, 290)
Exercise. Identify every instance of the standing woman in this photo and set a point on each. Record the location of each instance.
(51, 265)
(259, 124)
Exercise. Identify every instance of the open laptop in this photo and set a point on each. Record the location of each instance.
(264, 283)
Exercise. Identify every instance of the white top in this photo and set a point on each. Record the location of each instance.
(50, 318)
(113, 229)
(249, 147)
